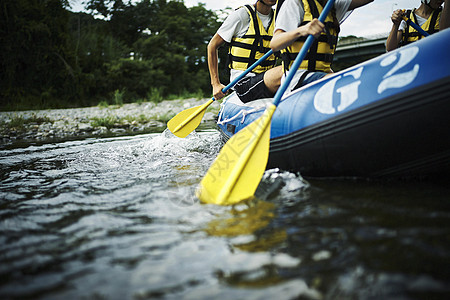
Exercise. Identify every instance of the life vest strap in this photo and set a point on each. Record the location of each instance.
(315, 61)
(331, 39)
(325, 57)
(252, 36)
(266, 63)
(408, 36)
(255, 44)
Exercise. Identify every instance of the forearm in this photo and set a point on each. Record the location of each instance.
(282, 39)
(213, 66)
(213, 61)
(392, 40)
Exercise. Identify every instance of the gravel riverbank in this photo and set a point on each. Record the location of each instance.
(26, 127)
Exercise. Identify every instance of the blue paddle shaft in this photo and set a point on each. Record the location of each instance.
(417, 27)
(301, 55)
(242, 75)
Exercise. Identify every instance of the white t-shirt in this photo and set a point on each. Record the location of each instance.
(237, 25)
(291, 15)
(420, 22)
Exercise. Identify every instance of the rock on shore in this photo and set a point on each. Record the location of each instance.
(73, 123)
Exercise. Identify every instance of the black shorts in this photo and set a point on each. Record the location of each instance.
(252, 88)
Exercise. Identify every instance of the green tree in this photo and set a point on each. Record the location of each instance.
(94, 47)
(134, 78)
(51, 57)
(36, 64)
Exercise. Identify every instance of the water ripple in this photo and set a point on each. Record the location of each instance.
(117, 218)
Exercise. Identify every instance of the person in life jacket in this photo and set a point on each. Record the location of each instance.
(295, 20)
(248, 30)
(429, 16)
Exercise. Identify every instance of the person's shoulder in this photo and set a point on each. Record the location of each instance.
(295, 2)
(290, 4)
(240, 13)
(243, 10)
(340, 3)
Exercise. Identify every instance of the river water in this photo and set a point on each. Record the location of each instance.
(116, 218)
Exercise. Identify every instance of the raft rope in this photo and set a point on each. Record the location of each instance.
(243, 113)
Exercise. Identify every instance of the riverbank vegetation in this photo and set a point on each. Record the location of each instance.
(57, 125)
(114, 53)
(118, 52)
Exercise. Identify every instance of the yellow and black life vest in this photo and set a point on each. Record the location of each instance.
(431, 26)
(246, 50)
(321, 53)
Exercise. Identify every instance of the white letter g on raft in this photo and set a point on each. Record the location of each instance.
(323, 100)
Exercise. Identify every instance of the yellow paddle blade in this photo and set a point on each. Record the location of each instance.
(186, 121)
(237, 170)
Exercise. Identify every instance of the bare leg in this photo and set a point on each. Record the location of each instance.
(272, 78)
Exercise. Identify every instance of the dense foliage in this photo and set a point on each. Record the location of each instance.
(51, 57)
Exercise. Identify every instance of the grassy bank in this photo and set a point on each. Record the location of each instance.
(103, 120)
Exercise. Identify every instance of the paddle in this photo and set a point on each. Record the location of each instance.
(415, 26)
(237, 170)
(186, 121)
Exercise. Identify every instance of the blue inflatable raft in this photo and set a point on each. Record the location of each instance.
(387, 117)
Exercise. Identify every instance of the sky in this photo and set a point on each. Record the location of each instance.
(370, 20)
